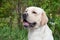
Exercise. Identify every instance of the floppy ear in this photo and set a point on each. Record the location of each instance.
(44, 19)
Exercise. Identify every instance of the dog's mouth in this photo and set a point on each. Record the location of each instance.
(25, 23)
(28, 24)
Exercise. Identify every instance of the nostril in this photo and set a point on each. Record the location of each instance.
(25, 16)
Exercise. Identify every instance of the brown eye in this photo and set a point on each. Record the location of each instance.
(34, 12)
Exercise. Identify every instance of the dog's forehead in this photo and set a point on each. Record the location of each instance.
(36, 9)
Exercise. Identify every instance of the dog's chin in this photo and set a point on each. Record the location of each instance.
(28, 24)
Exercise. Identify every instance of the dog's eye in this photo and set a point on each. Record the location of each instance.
(34, 12)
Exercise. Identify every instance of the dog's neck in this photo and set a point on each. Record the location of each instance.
(40, 28)
(35, 33)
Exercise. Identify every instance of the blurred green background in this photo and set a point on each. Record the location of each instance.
(11, 27)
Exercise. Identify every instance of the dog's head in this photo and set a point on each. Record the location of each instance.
(33, 17)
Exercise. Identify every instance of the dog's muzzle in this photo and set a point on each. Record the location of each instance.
(26, 23)
(25, 16)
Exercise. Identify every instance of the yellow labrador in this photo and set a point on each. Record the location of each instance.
(35, 19)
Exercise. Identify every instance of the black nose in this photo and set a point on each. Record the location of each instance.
(25, 16)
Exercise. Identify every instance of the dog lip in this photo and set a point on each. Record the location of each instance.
(32, 24)
(24, 20)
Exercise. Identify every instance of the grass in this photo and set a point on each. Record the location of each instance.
(7, 33)
(4, 33)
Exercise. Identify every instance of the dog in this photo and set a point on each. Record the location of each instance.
(35, 20)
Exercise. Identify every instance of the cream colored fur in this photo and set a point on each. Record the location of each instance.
(41, 31)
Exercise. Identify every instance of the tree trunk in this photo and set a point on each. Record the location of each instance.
(19, 14)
